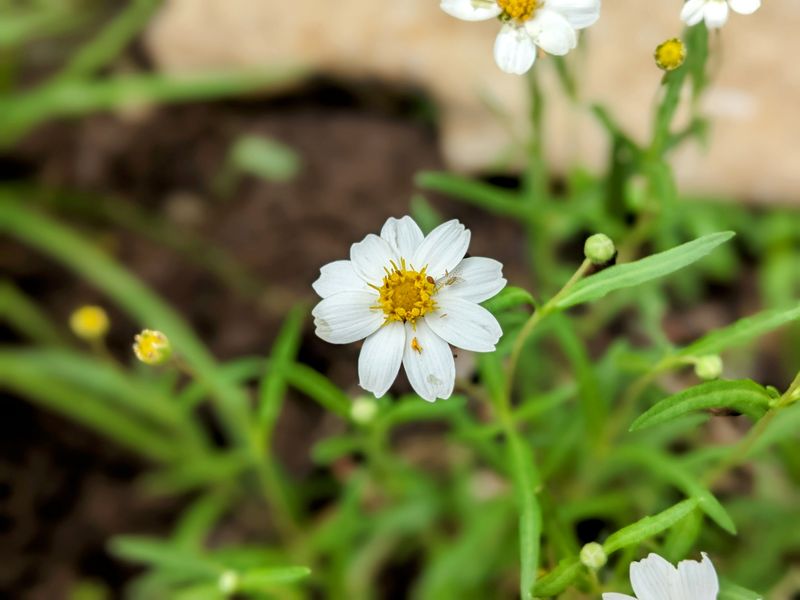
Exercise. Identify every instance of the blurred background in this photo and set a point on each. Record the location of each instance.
(223, 150)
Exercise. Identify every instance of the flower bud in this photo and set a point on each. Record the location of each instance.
(593, 556)
(152, 347)
(670, 55)
(599, 249)
(363, 410)
(708, 367)
(228, 582)
(89, 322)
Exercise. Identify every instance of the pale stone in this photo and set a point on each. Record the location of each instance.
(753, 101)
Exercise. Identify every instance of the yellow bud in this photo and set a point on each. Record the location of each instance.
(670, 55)
(89, 322)
(152, 347)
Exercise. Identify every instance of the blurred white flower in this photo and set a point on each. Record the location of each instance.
(715, 12)
(654, 578)
(410, 296)
(527, 24)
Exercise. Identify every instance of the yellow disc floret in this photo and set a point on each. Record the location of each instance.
(89, 322)
(670, 54)
(519, 10)
(406, 294)
(152, 347)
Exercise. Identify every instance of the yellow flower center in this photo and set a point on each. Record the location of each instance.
(670, 55)
(520, 10)
(406, 294)
(152, 347)
(89, 322)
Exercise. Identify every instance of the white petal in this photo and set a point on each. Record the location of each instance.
(371, 256)
(698, 580)
(404, 235)
(347, 317)
(579, 13)
(745, 7)
(471, 10)
(431, 370)
(442, 249)
(716, 13)
(475, 278)
(514, 51)
(338, 276)
(552, 32)
(380, 358)
(692, 12)
(464, 324)
(616, 596)
(652, 578)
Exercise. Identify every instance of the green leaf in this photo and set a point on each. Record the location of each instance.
(488, 197)
(665, 467)
(260, 580)
(319, 388)
(264, 158)
(273, 384)
(509, 297)
(730, 591)
(557, 580)
(740, 332)
(165, 555)
(649, 526)
(530, 518)
(742, 395)
(641, 271)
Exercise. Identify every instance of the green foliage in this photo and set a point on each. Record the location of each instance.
(484, 495)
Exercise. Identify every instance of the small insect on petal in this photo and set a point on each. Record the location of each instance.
(415, 346)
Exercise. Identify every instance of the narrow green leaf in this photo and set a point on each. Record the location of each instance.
(559, 579)
(641, 271)
(22, 313)
(742, 395)
(509, 297)
(319, 388)
(730, 591)
(663, 466)
(264, 158)
(164, 555)
(273, 384)
(530, 518)
(648, 526)
(740, 332)
(488, 197)
(260, 580)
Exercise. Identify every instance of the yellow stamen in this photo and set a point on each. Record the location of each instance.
(152, 347)
(415, 346)
(406, 294)
(89, 322)
(520, 10)
(670, 54)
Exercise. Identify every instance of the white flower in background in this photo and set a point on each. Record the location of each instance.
(410, 296)
(654, 578)
(527, 24)
(715, 12)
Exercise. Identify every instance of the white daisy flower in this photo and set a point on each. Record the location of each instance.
(527, 24)
(654, 578)
(715, 12)
(410, 296)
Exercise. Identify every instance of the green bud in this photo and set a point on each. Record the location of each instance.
(363, 410)
(228, 582)
(708, 367)
(593, 556)
(599, 249)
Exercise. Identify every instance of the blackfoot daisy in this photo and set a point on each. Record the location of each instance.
(654, 578)
(410, 297)
(715, 12)
(527, 24)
